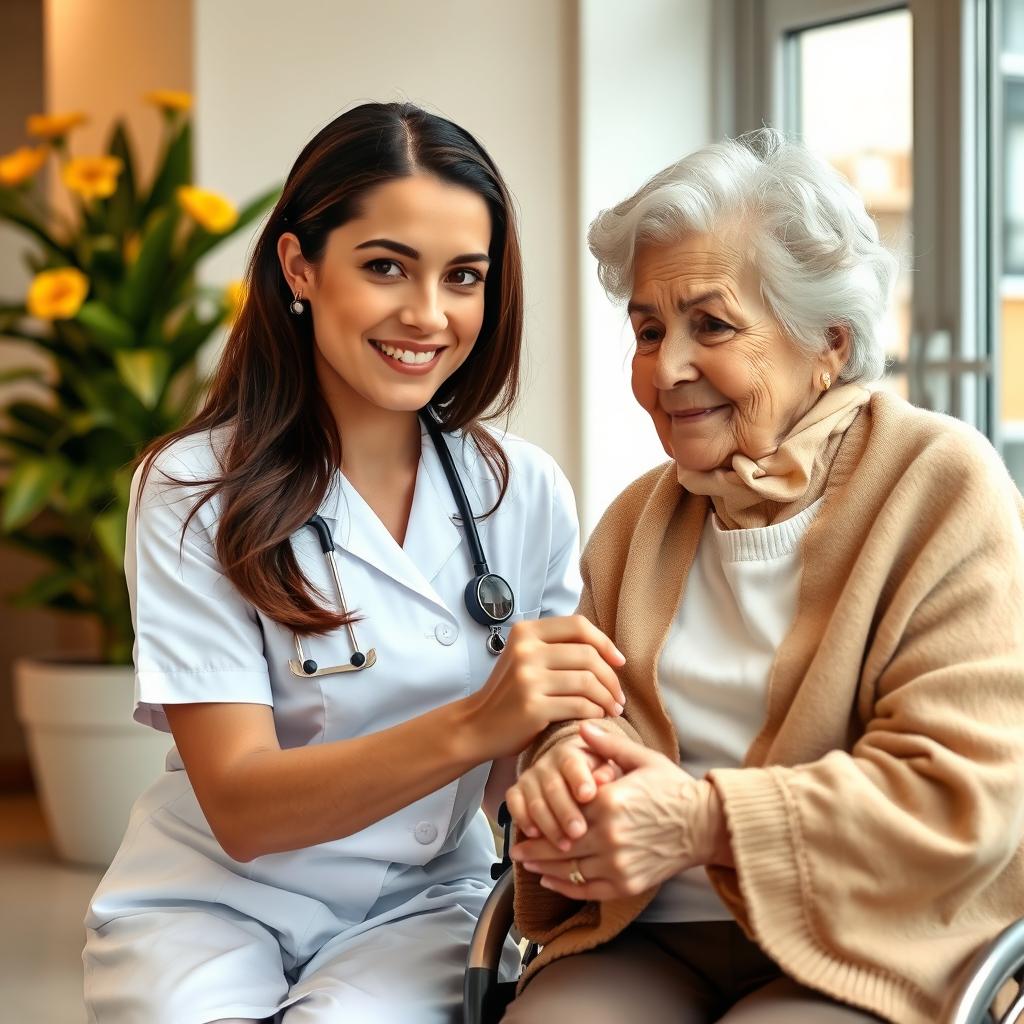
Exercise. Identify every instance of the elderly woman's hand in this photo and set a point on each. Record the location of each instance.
(653, 822)
(547, 798)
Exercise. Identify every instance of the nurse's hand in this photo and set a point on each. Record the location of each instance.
(551, 670)
(547, 799)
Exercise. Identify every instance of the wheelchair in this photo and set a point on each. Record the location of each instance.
(485, 998)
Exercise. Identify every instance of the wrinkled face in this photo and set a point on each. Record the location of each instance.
(398, 299)
(711, 367)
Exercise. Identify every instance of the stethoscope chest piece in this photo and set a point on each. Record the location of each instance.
(490, 601)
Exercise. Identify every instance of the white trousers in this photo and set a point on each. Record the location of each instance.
(185, 966)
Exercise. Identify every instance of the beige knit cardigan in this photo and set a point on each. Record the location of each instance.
(876, 824)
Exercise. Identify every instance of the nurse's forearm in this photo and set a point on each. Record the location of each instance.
(277, 800)
(503, 775)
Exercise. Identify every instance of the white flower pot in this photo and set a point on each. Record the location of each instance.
(89, 758)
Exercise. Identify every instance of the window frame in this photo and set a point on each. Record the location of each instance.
(954, 316)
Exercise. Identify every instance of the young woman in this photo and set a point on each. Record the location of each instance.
(314, 851)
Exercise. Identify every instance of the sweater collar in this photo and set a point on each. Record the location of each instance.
(749, 493)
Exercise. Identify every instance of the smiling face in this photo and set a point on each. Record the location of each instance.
(398, 298)
(711, 367)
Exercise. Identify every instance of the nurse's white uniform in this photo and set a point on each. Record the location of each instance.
(373, 927)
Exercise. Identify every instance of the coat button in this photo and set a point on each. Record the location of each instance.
(425, 833)
(446, 633)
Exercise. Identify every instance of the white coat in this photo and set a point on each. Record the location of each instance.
(180, 932)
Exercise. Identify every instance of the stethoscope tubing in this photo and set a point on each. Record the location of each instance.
(495, 643)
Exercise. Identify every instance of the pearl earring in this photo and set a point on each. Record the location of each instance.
(298, 307)
(826, 381)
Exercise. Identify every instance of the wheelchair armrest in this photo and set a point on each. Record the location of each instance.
(483, 999)
(982, 979)
(493, 925)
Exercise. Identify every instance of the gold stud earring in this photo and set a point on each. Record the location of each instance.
(826, 381)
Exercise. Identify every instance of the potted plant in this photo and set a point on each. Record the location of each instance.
(114, 307)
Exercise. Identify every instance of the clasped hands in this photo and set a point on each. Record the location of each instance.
(602, 808)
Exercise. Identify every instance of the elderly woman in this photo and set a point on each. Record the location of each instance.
(812, 807)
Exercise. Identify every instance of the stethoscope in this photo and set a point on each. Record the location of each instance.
(489, 598)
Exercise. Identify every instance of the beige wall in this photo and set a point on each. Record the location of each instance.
(267, 79)
(103, 56)
(21, 85)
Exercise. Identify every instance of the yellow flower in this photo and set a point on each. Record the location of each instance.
(20, 165)
(132, 245)
(209, 209)
(234, 299)
(53, 126)
(92, 177)
(57, 294)
(168, 99)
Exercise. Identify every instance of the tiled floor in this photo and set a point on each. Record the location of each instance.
(42, 902)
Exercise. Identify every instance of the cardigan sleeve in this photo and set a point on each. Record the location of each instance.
(899, 839)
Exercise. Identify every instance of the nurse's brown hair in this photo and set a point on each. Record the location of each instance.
(283, 446)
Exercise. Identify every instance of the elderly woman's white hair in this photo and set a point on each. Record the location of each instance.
(802, 226)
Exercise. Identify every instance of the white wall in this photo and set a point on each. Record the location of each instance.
(268, 77)
(645, 101)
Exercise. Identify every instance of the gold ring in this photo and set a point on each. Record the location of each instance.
(576, 876)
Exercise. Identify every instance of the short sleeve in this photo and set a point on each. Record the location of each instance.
(196, 639)
(562, 584)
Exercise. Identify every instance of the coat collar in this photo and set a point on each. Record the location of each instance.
(431, 537)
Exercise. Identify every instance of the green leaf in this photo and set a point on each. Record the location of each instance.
(144, 371)
(11, 312)
(78, 490)
(150, 271)
(120, 207)
(38, 419)
(106, 325)
(79, 425)
(20, 444)
(110, 529)
(123, 484)
(46, 589)
(22, 373)
(13, 210)
(29, 488)
(105, 261)
(55, 547)
(22, 335)
(190, 337)
(174, 171)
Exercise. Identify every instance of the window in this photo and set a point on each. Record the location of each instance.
(863, 125)
(921, 106)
